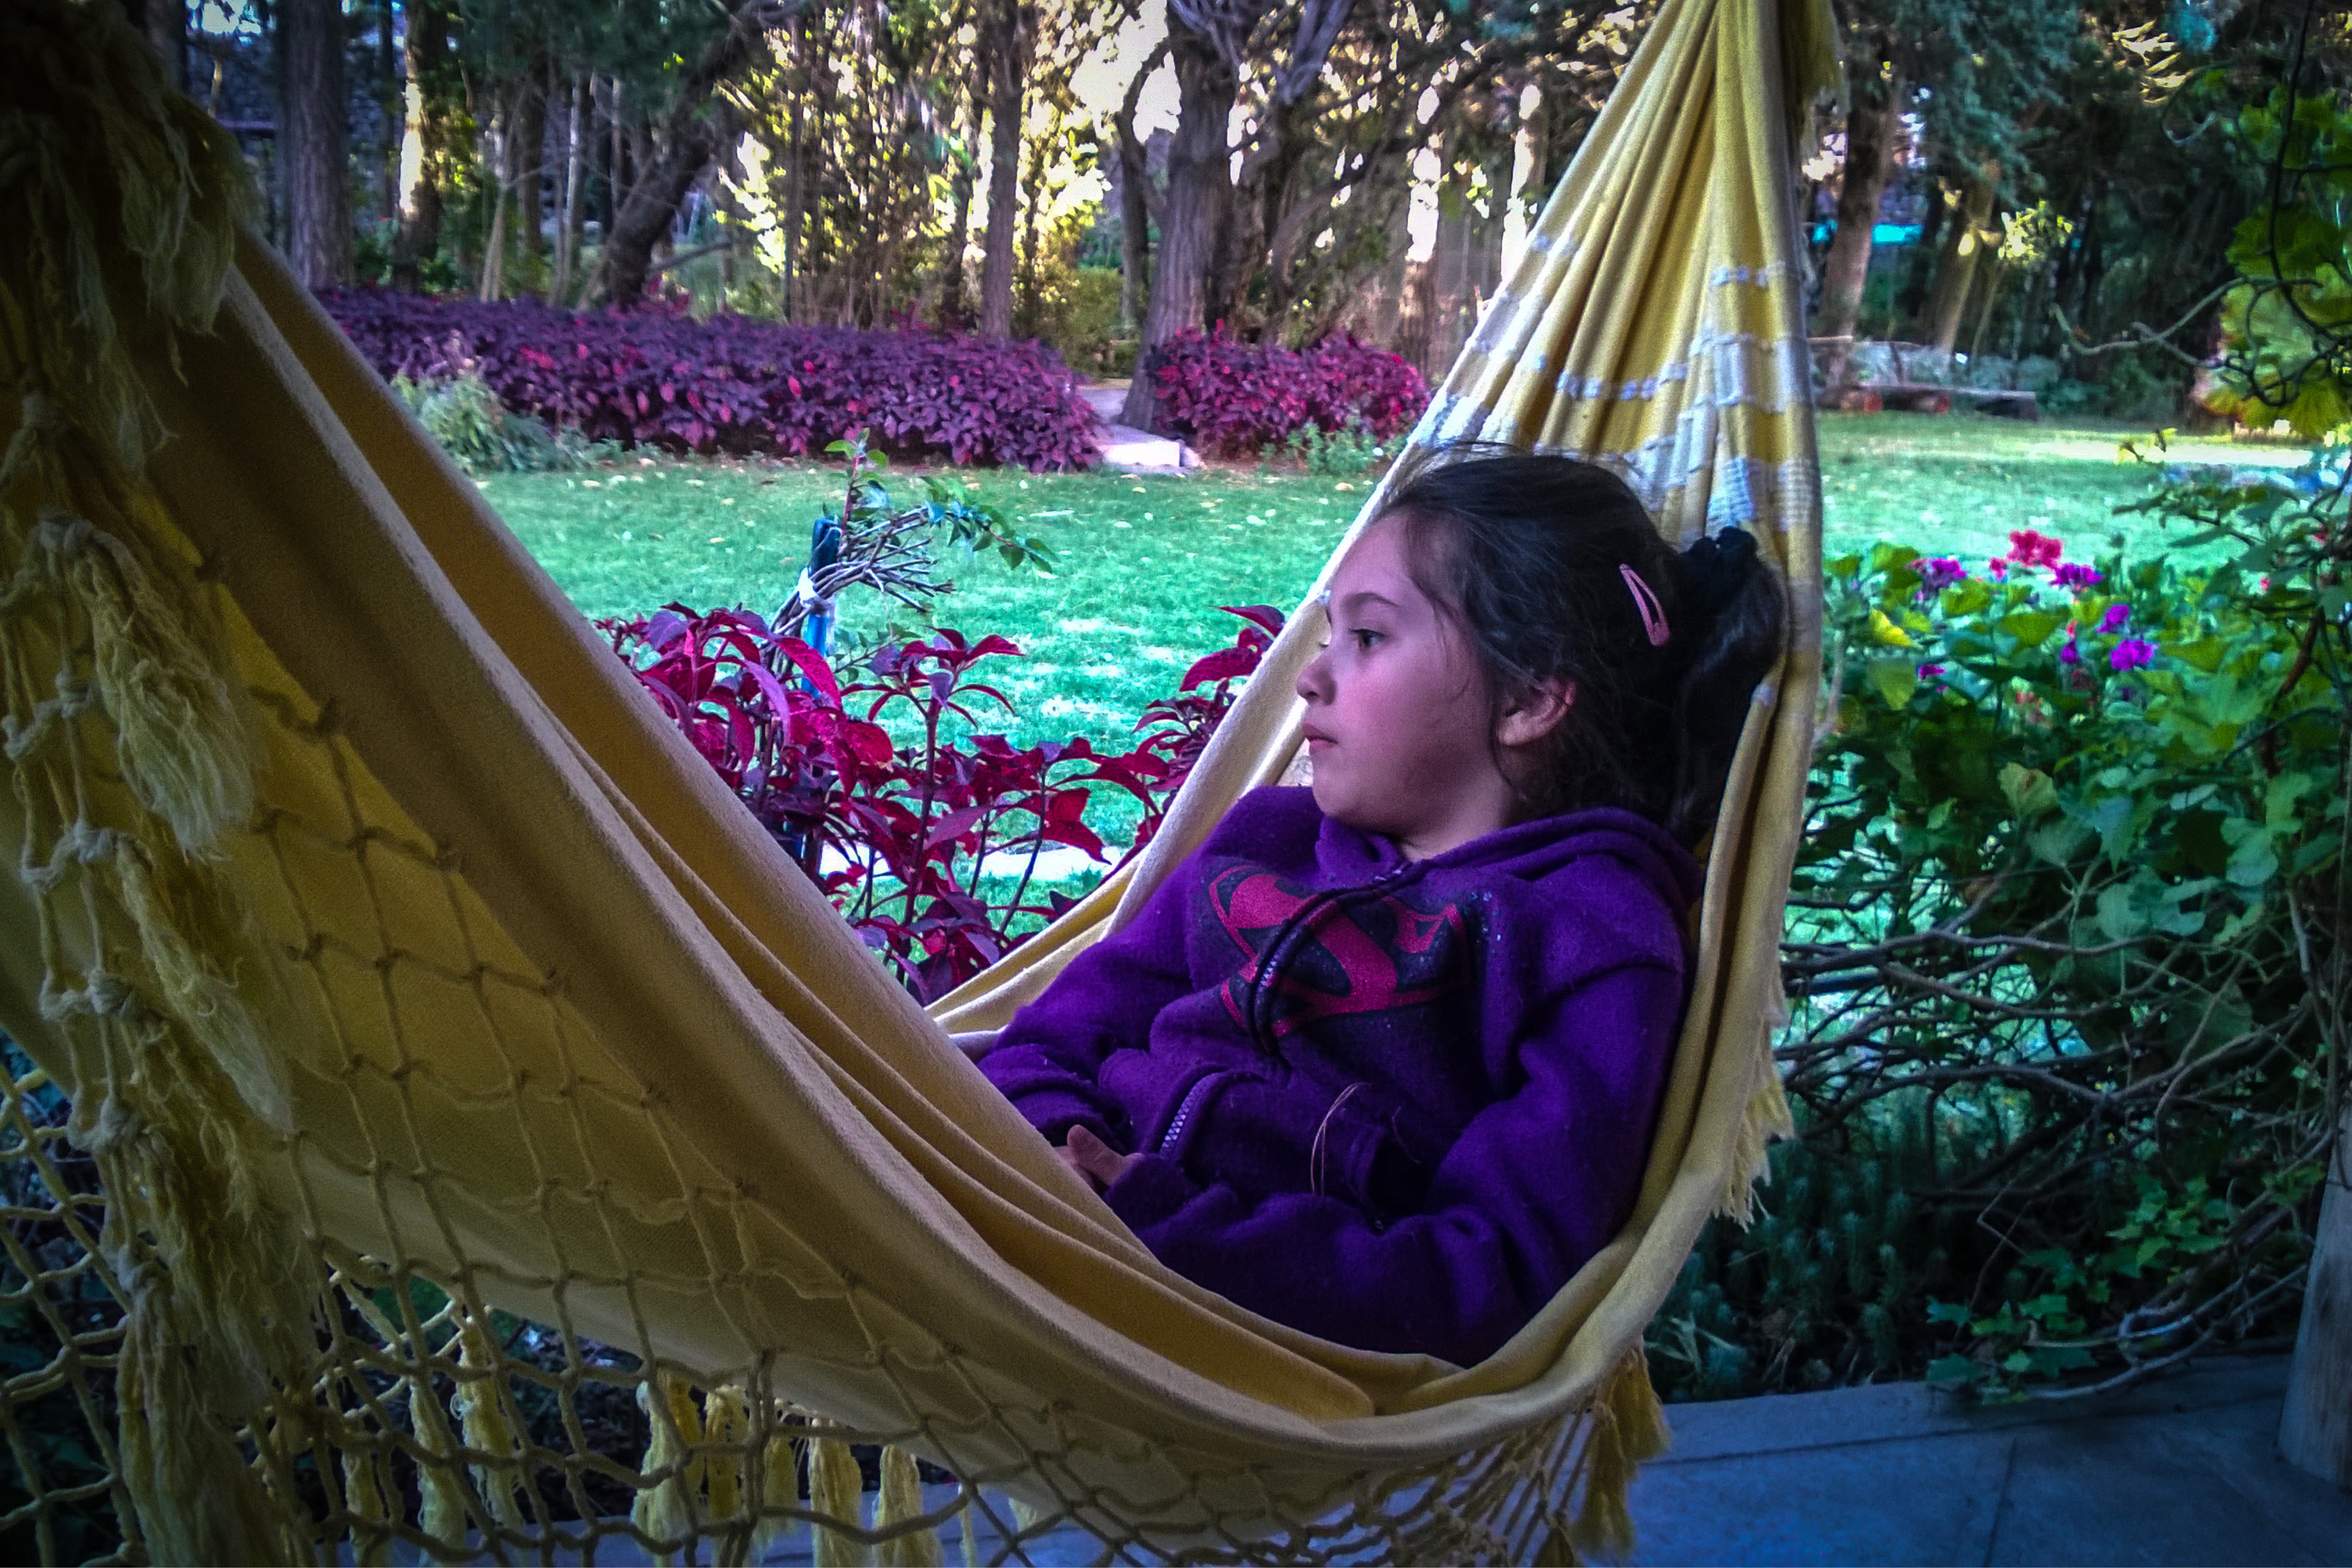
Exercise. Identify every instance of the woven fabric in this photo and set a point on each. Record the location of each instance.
(460, 1064)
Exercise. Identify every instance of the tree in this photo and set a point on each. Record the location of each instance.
(424, 141)
(1201, 46)
(313, 138)
(1273, 246)
(1874, 136)
(1011, 28)
(164, 23)
(692, 128)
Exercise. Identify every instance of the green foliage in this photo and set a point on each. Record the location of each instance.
(2288, 324)
(2066, 907)
(1336, 454)
(1076, 311)
(464, 417)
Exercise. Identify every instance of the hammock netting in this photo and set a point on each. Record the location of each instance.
(442, 1124)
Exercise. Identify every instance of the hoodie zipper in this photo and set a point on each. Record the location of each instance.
(1293, 930)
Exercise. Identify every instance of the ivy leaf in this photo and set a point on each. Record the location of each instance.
(1886, 634)
(2028, 790)
(1894, 678)
(2032, 627)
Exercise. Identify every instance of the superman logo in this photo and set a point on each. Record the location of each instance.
(1307, 956)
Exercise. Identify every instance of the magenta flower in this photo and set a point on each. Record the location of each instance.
(1930, 671)
(1999, 568)
(2027, 548)
(1939, 573)
(2070, 654)
(2131, 654)
(2077, 578)
(2116, 620)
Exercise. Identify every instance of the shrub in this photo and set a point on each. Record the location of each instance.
(1075, 312)
(2062, 950)
(658, 378)
(466, 420)
(914, 844)
(1233, 399)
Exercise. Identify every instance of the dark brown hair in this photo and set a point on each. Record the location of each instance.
(1524, 552)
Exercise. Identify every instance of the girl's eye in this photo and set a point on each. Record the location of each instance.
(1365, 637)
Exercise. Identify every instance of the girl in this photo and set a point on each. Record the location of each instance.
(1381, 1059)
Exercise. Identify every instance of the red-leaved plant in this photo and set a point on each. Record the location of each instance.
(1234, 399)
(652, 377)
(930, 849)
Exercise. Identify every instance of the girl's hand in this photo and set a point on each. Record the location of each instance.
(1095, 1160)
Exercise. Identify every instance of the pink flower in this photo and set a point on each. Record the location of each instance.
(2027, 548)
(2077, 578)
(2131, 654)
(1999, 568)
(2115, 620)
(1930, 671)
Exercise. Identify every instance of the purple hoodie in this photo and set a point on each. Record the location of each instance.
(1392, 1103)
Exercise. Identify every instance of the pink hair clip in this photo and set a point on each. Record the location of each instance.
(1653, 614)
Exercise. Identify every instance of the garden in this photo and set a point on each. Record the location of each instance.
(2059, 1042)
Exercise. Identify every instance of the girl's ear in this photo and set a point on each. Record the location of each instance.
(1533, 710)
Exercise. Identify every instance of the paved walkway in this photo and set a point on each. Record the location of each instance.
(2183, 1470)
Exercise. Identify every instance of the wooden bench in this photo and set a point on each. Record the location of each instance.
(1931, 397)
(1921, 397)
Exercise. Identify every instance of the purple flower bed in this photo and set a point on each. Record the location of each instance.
(729, 385)
(1232, 398)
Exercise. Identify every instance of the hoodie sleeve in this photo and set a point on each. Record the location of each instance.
(1046, 1059)
(1535, 1184)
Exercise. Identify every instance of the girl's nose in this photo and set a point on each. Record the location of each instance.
(1315, 680)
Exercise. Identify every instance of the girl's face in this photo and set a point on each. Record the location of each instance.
(1400, 720)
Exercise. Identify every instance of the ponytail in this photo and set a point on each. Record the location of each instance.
(1734, 612)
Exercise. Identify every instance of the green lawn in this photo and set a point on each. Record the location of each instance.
(1146, 563)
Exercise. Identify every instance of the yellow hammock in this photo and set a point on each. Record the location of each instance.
(412, 983)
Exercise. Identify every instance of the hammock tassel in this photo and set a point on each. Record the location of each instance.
(488, 1424)
(726, 1424)
(1629, 1428)
(901, 1499)
(779, 1488)
(665, 1511)
(1765, 1122)
(441, 1514)
(363, 1495)
(836, 1490)
(197, 1500)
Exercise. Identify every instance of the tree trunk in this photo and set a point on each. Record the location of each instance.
(500, 166)
(690, 139)
(953, 313)
(1194, 211)
(388, 106)
(164, 24)
(2315, 1430)
(311, 132)
(1008, 65)
(1964, 247)
(424, 143)
(1033, 202)
(567, 213)
(1873, 128)
(1137, 197)
(527, 158)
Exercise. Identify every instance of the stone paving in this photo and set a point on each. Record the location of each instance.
(2182, 1471)
(1128, 450)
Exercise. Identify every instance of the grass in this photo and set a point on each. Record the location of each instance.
(1146, 563)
